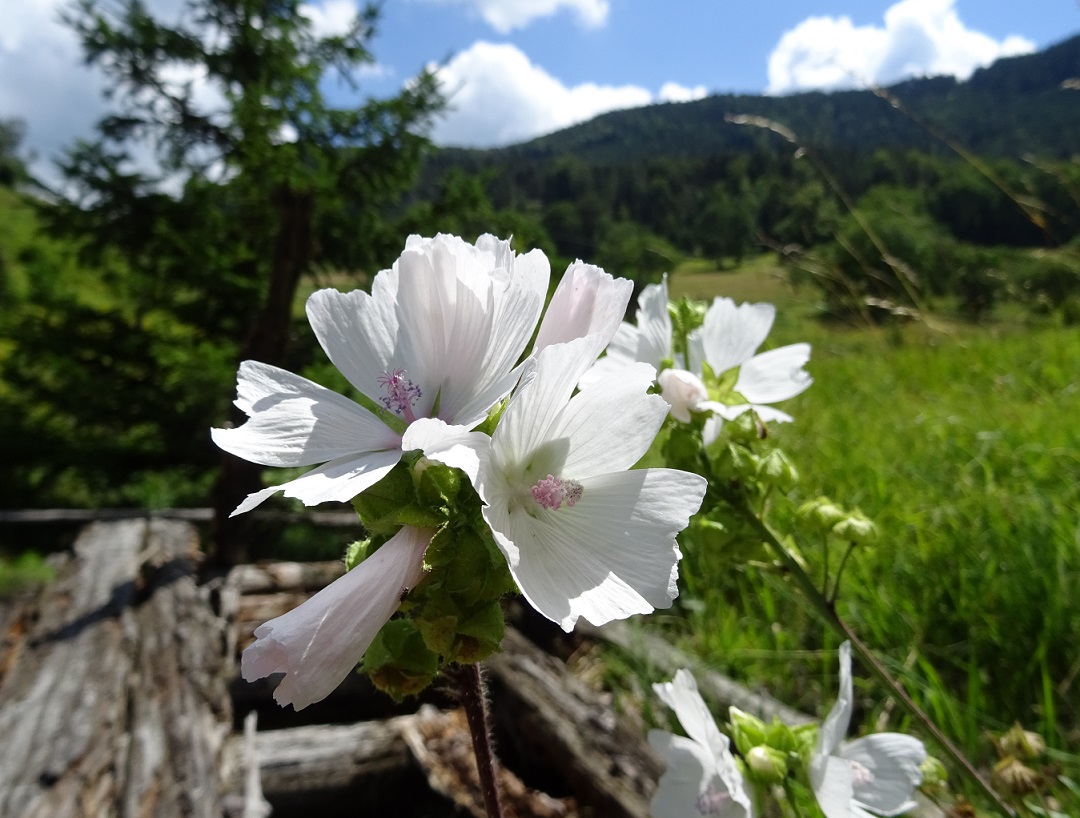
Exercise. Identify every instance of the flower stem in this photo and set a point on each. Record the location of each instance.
(826, 611)
(474, 701)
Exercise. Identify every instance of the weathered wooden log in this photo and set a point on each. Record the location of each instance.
(553, 725)
(114, 697)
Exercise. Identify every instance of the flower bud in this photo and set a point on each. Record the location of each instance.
(1016, 778)
(683, 391)
(933, 772)
(856, 528)
(775, 469)
(746, 730)
(1022, 743)
(766, 765)
(821, 512)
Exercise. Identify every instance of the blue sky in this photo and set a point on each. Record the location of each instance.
(520, 68)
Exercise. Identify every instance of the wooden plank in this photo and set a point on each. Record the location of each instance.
(114, 700)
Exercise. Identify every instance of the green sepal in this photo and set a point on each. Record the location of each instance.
(779, 736)
(856, 528)
(766, 765)
(821, 513)
(356, 552)
(398, 660)
(480, 635)
(437, 485)
(775, 469)
(805, 737)
(380, 506)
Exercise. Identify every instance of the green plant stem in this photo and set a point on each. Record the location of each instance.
(474, 701)
(826, 611)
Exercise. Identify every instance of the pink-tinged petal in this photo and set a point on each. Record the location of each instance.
(339, 480)
(609, 556)
(730, 334)
(317, 644)
(683, 391)
(681, 695)
(454, 446)
(587, 301)
(888, 765)
(295, 422)
(609, 425)
(360, 332)
(775, 375)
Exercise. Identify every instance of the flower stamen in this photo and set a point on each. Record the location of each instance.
(860, 775)
(551, 492)
(401, 393)
(712, 801)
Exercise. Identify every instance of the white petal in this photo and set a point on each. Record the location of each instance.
(339, 480)
(454, 446)
(681, 695)
(610, 556)
(295, 422)
(318, 643)
(684, 391)
(360, 332)
(536, 405)
(730, 334)
(654, 325)
(770, 415)
(775, 375)
(711, 431)
(609, 425)
(893, 760)
(587, 301)
(611, 363)
(835, 727)
(832, 787)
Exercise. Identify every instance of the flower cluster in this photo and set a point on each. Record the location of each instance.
(873, 775)
(436, 354)
(716, 370)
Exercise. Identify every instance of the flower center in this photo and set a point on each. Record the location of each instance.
(401, 393)
(551, 492)
(860, 775)
(712, 801)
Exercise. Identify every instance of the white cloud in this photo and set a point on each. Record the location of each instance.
(497, 96)
(506, 15)
(919, 38)
(332, 18)
(673, 92)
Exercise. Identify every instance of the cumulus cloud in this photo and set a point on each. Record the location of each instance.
(918, 38)
(332, 18)
(497, 96)
(506, 15)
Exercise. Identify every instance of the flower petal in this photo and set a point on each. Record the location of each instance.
(831, 781)
(455, 446)
(339, 480)
(835, 726)
(318, 643)
(893, 760)
(775, 375)
(610, 556)
(654, 325)
(610, 424)
(681, 695)
(730, 334)
(587, 301)
(296, 422)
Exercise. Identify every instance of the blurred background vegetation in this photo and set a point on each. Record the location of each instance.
(926, 240)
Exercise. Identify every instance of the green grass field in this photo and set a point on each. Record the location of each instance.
(962, 446)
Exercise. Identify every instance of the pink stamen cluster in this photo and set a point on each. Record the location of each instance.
(860, 775)
(551, 492)
(712, 801)
(401, 393)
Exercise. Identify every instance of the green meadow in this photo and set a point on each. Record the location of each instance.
(960, 442)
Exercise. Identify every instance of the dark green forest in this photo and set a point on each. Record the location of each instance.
(124, 310)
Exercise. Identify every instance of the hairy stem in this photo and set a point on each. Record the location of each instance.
(474, 701)
(826, 611)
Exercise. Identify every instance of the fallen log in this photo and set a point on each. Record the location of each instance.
(114, 698)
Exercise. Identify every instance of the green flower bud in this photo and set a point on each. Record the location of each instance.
(746, 730)
(775, 469)
(856, 528)
(933, 772)
(766, 765)
(398, 661)
(821, 512)
(1022, 743)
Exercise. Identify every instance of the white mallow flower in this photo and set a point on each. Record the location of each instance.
(583, 534)
(318, 643)
(873, 775)
(683, 391)
(439, 336)
(649, 342)
(701, 778)
(727, 340)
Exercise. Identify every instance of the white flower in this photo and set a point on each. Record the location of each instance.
(587, 301)
(701, 776)
(728, 339)
(684, 391)
(439, 336)
(873, 775)
(318, 643)
(583, 534)
(649, 342)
